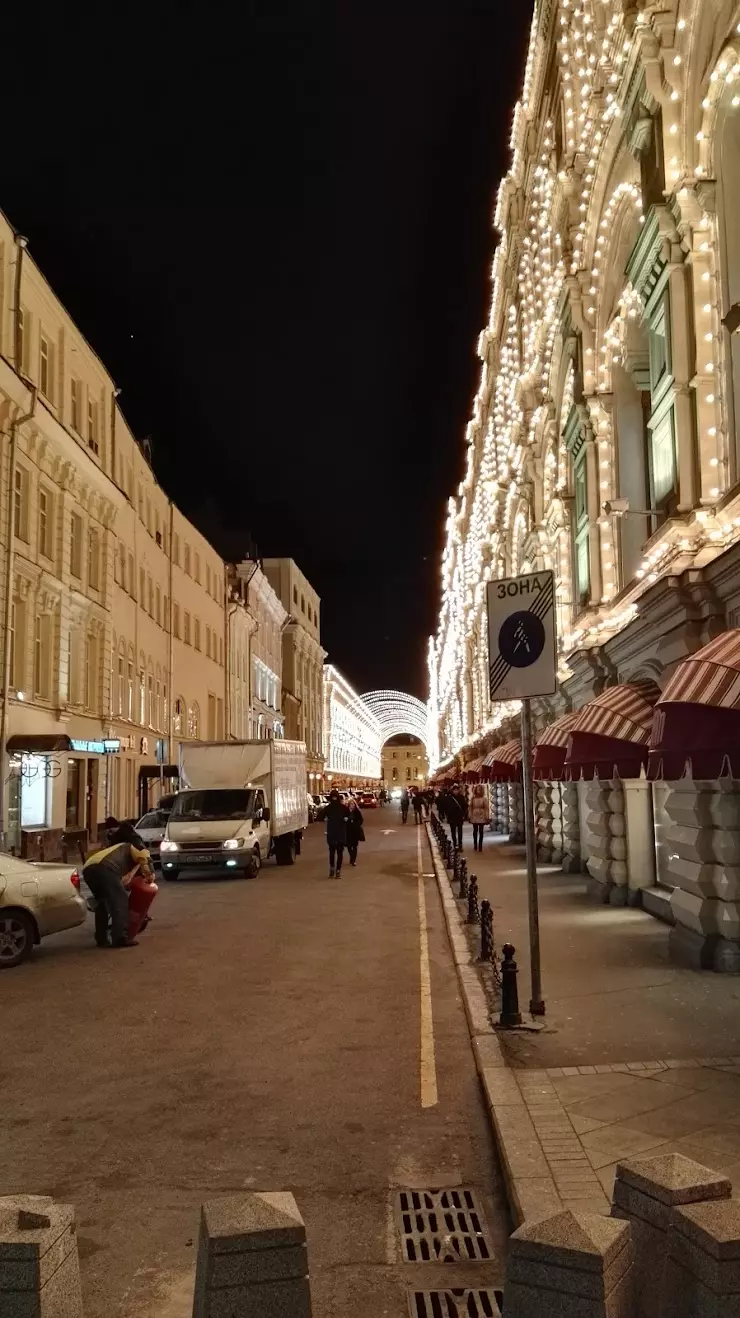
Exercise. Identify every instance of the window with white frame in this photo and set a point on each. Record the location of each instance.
(17, 671)
(186, 559)
(75, 404)
(46, 366)
(196, 633)
(93, 437)
(46, 522)
(20, 503)
(42, 656)
(92, 660)
(93, 559)
(75, 546)
(186, 628)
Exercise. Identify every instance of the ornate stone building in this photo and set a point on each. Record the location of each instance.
(603, 442)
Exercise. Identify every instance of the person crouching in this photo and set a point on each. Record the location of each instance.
(107, 874)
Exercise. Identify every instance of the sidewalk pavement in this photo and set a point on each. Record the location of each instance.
(636, 1056)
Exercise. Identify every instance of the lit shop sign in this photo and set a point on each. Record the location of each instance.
(109, 747)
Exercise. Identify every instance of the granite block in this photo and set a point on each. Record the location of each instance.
(252, 1221)
(275, 1299)
(580, 1241)
(255, 1265)
(672, 1179)
(529, 1302)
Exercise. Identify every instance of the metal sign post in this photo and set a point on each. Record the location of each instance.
(521, 651)
(536, 1005)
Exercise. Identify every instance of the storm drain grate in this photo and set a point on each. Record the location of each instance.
(442, 1226)
(455, 1304)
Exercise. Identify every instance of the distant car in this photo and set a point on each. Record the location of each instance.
(151, 829)
(367, 801)
(312, 808)
(35, 902)
(396, 793)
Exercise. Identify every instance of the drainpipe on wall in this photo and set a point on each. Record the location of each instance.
(21, 245)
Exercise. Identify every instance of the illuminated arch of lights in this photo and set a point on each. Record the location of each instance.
(398, 712)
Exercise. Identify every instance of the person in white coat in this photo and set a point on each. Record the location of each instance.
(479, 814)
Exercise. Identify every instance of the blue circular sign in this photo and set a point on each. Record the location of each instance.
(521, 639)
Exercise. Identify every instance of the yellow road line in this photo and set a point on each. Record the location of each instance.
(429, 1095)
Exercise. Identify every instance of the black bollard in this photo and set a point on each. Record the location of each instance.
(463, 876)
(473, 908)
(486, 931)
(510, 1014)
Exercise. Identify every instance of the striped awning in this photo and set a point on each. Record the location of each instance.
(548, 757)
(471, 772)
(504, 764)
(696, 725)
(610, 736)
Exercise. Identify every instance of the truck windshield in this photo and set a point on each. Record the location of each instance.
(218, 803)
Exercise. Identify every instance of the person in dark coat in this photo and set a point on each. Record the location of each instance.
(418, 805)
(107, 873)
(455, 812)
(405, 802)
(355, 831)
(337, 818)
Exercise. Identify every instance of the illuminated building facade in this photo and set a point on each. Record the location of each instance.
(604, 442)
(352, 735)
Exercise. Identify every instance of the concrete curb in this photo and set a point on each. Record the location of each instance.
(543, 1162)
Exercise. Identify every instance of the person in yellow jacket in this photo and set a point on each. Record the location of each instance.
(107, 874)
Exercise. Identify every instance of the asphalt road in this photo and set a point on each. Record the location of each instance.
(264, 1034)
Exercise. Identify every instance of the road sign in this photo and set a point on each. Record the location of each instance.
(521, 637)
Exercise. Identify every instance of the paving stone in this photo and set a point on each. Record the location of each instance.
(535, 1197)
(587, 1070)
(603, 1069)
(615, 1142)
(501, 1087)
(570, 1070)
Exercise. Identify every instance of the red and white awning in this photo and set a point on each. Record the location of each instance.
(610, 736)
(696, 726)
(549, 753)
(504, 764)
(471, 772)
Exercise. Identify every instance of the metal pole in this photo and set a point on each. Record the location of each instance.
(537, 1005)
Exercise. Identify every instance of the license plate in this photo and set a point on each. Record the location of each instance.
(198, 859)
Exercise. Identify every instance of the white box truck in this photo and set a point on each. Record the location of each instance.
(240, 802)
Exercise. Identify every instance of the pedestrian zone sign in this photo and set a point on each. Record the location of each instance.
(521, 637)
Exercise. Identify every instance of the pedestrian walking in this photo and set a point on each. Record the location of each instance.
(405, 802)
(108, 873)
(455, 811)
(355, 831)
(479, 814)
(418, 805)
(337, 815)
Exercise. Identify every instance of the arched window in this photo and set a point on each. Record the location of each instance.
(194, 720)
(178, 716)
(130, 684)
(121, 680)
(142, 689)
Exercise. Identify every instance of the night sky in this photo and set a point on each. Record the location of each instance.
(276, 230)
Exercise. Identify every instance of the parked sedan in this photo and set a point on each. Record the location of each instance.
(35, 901)
(367, 801)
(151, 829)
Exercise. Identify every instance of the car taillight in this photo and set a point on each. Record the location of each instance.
(74, 879)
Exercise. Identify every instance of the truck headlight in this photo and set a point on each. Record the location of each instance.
(233, 843)
(168, 845)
